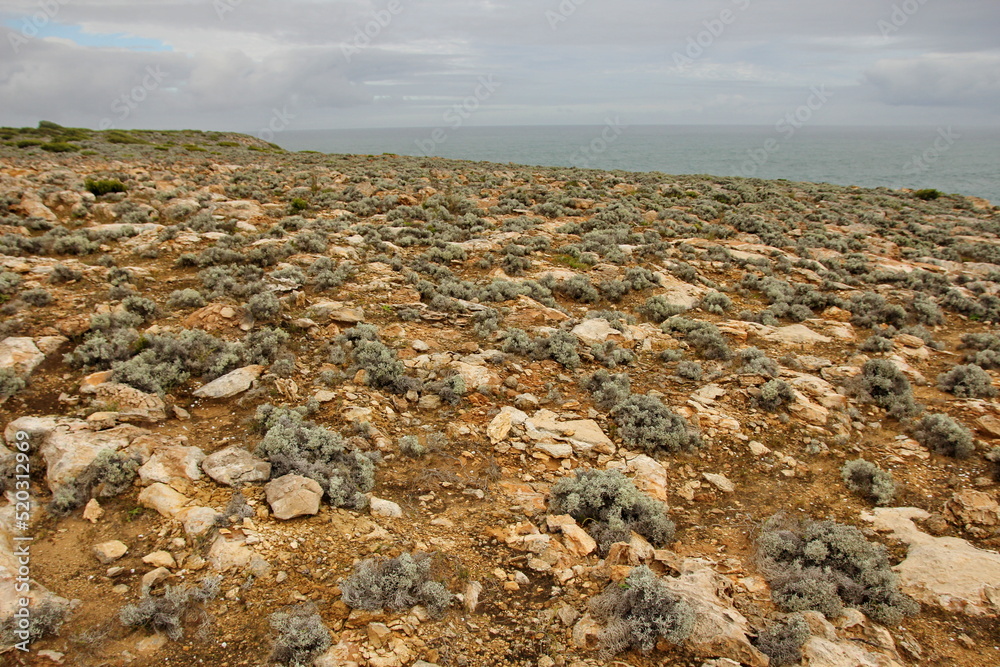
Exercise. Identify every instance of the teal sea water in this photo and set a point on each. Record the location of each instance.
(951, 159)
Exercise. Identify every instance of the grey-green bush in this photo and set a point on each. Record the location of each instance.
(869, 481)
(264, 306)
(943, 435)
(782, 641)
(166, 613)
(608, 390)
(640, 612)
(302, 635)
(294, 445)
(37, 297)
(609, 506)
(968, 381)
(185, 298)
(824, 566)
(774, 395)
(395, 584)
(45, 620)
(754, 361)
(10, 383)
(883, 384)
(645, 422)
(715, 302)
(689, 370)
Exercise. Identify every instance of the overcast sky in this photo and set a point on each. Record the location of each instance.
(300, 64)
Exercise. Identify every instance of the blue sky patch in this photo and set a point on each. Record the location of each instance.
(76, 34)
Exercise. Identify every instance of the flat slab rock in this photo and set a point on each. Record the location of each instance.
(20, 355)
(946, 572)
(230, 384)
(235, 465)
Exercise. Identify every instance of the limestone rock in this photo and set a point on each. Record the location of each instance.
(108, 552)
(67, 445)
(720, 631)
(163, 499)
(226, 554)
(197, 520)
(650, 476)
(976, 511)
(946, 572)
(20, 355)
(230, 384)
(721, 482)
(130, 403)
(292, 496)
(385, 508)
(795, 334)
(235, 465)
(159, 559)
(596, 330)
(171, 463)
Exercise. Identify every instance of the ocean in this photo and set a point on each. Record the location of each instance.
(950, 159)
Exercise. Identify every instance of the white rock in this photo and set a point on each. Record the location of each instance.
(230, 384)
(235, 465)
(108, 552)
(721, 482)
(163, 499)
(292, 496)
(20, 355)
(386, 508)
(171, 463)
(946, 572)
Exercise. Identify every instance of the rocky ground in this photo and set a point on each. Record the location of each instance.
(431, 335)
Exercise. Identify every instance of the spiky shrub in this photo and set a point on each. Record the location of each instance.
(264, 306)
(968, 381)
(559, 347)
(37, 297)
(704, 337)
(689, 370)
(774, 395)
(185, 298)
(610, 507)
(754, 361)
(716, 302)
(869, 481)
(782, 642)
(639, 612)
(45, 620)
(10, 383)
(608, 390)
(395, 584)
(657, 309)
(63, 274)
(883, 384)
(824, 566)
(167, 613)
(646, 423)
(612, 356)
(294, 445)
(302, 635)
(943, 435)
(382, 368)
(410, 445)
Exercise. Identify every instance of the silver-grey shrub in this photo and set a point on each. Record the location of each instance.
(639, 612)
(610, 507)
(782, 642)
(967, 381)
(294, 445)
(943, 435)
(645, 422)
(395, 584)
(869, 481)
(824, 566)
(302, 635)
